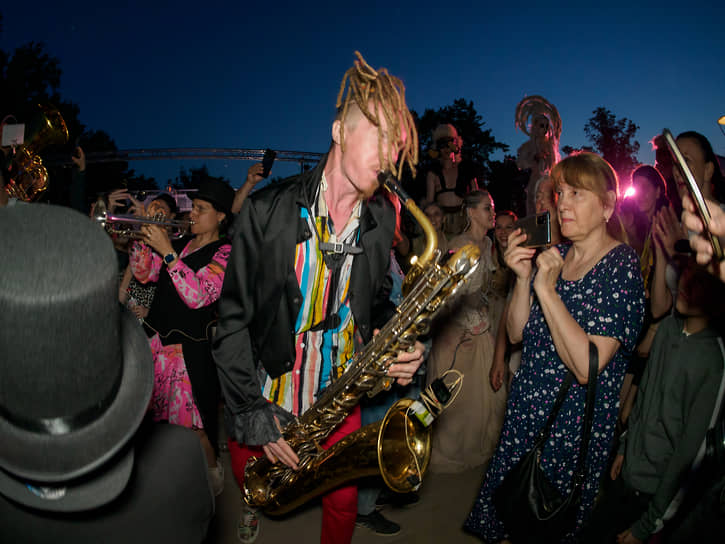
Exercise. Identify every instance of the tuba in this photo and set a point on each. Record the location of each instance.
(28, 175)
(398, 446)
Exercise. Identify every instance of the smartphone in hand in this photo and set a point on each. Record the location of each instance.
(695, 193)
(267, 162)
(537, 228)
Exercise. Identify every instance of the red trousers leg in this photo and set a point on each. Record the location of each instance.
(339, 507)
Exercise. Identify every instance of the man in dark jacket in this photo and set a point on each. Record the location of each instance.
(306, 284)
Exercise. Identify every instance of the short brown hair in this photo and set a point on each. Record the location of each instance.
(586, 171)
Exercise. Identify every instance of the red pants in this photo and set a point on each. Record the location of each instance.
(339, 507)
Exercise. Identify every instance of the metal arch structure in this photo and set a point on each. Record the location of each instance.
(303, 158)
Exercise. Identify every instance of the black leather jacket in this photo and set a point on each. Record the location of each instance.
(261, 298)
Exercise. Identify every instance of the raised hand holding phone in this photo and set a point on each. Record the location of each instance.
(537, 229)
(268, 161)
(700, 207)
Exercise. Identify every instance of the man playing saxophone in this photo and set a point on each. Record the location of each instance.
(307, 284)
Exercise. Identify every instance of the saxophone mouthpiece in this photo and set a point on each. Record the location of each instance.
(383, 178)
(387, 180)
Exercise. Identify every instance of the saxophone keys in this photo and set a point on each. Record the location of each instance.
(383, 385)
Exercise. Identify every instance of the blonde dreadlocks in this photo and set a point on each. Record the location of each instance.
(375, 91)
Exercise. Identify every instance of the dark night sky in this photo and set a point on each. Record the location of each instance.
(212, 74)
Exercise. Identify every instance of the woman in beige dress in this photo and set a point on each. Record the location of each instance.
(466, 433)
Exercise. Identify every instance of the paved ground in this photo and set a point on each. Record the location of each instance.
(444, 503)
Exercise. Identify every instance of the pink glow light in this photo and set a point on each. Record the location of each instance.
(629, 192)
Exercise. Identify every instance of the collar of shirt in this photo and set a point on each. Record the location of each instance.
(322, 211)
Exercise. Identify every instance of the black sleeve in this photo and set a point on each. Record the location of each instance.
(249, 416)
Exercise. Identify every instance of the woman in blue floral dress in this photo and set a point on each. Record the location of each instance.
(590, 289)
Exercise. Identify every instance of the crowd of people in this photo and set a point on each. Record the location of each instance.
(264, 301)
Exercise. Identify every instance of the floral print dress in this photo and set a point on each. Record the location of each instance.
(607, 301)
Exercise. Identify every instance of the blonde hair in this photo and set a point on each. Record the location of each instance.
(375, 92)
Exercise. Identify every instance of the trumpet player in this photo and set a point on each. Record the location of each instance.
(189, 275)
(131, 292)
(306, 285)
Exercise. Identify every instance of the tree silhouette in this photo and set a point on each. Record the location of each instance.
(568, 150)
(193, 178)
(614, 140)
(30, 76)
(105, 177)
(506, 184)
(478, 142)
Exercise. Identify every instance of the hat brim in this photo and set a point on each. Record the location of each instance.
(95, 489)
(50, 458)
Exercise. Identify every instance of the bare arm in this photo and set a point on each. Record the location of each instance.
(254, 176)
(570, 340)
(699, 243)
(430, 187)
(498, 369)
(122, 293)
(518, 259)
(660, 295)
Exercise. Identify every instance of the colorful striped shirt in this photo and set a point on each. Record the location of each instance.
(320, 355)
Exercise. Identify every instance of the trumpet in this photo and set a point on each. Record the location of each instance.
(129, 225)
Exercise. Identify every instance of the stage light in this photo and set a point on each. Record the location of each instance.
(629, 192)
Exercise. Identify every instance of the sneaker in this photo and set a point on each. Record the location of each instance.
(378, 524)
(216, 478)
(397, 500)
(248, 526)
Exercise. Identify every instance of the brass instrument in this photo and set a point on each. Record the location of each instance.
(128, 225)
(28, 176)
(398, 446)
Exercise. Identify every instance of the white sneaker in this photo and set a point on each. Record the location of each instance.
(248, 525)
(216, 478)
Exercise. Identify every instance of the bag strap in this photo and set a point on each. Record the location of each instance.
(563, 390)
(588, 413)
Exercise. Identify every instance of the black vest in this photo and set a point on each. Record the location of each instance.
(169, 315)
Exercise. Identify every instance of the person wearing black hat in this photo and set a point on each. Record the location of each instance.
(179, 323)
(76, 462)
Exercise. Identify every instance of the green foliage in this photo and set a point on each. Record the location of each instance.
(614, 140)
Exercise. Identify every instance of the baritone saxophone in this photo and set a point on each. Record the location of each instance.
(398, 446)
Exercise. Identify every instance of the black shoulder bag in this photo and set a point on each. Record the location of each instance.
(532, 508)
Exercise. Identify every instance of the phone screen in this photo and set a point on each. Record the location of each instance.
(694, 191)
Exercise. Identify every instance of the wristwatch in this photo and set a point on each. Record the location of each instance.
(170, 257)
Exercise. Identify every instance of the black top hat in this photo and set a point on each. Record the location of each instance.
(219, 193)
(76, 370)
